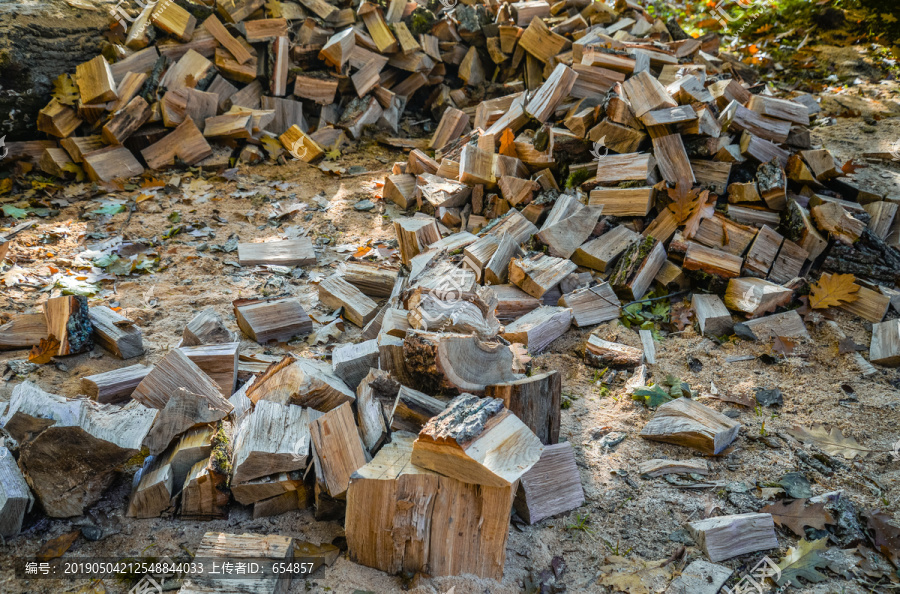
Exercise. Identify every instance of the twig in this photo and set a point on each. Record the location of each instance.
(678, 294)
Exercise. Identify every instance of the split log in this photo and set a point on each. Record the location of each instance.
(414, 235)
(537, 273)
(762, 253)
(114, 386)
(801, 230)
(174, 371)
(303, 382)
(337, 449)
(152, 492)
(870, 305)
(68, 319)
(412, 410)
(623, 202)
(600, 253)
(116, 333)
(352, 362)
(551, 487)
(885, 346)
(602, 353)
(205, 495)
(234, 547)
(23, 332)
(787, 324)
(218, 361)
(278, 319)
(455, 363)
(58, 120)
(70, 450)
(513, 302)
(371, 392)
(725, 537)
(273, 438)
(688, 423)
(207, 327)
(833, 219)
(465, 442)
(654, 468)
(755, 296)
(568, 225)
(186, 143)
(373, 281)
(400, 189)
(295, 252)
(789, 263)
(15, 496)
(535, 400)
(183, 411)
(592, 305)
(273, 485)
(95, 81)
(634, 167)
(335, 292)
(415, 540)
(433, 191)
(539, 327)
(712, 315)
(636, 269)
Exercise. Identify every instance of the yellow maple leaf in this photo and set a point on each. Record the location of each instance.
(685, 201)
(64, 90)
(833, 290)
(44, 351)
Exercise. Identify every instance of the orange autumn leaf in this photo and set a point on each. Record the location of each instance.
(832, 290)
(361, 252)
(851, 167)
(57, 547)
(507, 144)
(684, 201)
(44, 351)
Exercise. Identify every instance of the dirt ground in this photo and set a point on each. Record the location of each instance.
(623, 513)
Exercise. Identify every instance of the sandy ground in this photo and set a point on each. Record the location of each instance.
(622, 511)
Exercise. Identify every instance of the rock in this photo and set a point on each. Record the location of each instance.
(364, 205)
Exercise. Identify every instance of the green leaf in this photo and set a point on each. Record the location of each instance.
(16, 213)
(110, 208)
(72, 286)
(652, 396)
(172, 231)
(106, 260)
(174, 217)
(804, 561)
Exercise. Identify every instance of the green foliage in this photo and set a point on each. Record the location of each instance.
(615, 549)
(657, 394)
(580, 524)
(647, 315)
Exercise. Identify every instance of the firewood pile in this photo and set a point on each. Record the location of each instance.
(585, 154)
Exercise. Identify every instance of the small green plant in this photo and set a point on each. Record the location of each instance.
(762, 430)
(598, 374)
(581, 523)
(604, 391)
(758, 411)
(647, 314)
(615, 549)
(657, 394)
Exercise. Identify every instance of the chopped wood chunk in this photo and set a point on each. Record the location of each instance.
(725, 537)
(551, 487)
(278, 319)
(688, 423)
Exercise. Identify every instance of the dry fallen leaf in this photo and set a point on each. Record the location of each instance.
(42, 353)
(507, 144)
(831, 442)
(851, 166)
(634, 575)
(804, 561)
(684, 201)
(57, 547)
(885, 534)
(797, 514)
(783, 346)
(833, 290)
(848, 345)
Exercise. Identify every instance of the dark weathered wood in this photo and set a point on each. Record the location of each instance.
(551, 487)
(535, 400)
